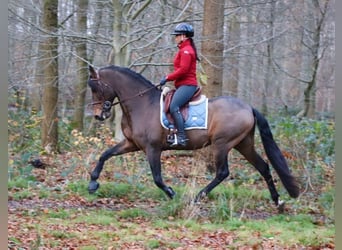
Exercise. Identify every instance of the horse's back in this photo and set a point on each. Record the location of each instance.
(229, 115)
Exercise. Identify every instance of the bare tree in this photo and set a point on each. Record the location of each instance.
(269, 55)
(296, 36)
(231, 53)
(49, 50)
(124, 15)
(212, 46)
(82, 72)
(316, 12)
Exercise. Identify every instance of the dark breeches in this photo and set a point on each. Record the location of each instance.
(182, 95)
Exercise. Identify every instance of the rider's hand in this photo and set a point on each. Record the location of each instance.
(163, 81)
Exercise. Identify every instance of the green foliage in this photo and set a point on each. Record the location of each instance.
(175, 206)
(118, 190)
(62, 234)
(23, 194)
(309, 146)
(228, 199)
(100, 217)
(287, 229)
(151, 193)
(79, 187)
(307, 136)
(21, 182)
(133, 213)
(311, 142)
(327, 202)
(88, 248)
(23, 132)
(20, 187)
(59, 214)
(152, 244)
(24, 136)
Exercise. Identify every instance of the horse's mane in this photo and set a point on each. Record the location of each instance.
(131, 73)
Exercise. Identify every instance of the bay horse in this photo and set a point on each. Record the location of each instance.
(231, 124)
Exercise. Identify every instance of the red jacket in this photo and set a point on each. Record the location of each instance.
(184, 66)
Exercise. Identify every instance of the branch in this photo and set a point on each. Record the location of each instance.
(136, 14)
(89, 39)
(288, 74)
(66, 19)
(267, 39)
(82, 59)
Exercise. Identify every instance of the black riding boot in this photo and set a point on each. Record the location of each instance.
(179, 122)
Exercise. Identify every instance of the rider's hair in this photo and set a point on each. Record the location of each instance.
(194, 47)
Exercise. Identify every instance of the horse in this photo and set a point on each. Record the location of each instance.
(231, 124)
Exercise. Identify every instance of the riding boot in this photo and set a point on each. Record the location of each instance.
(179, 122)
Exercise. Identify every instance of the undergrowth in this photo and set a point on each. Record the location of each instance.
(241, 203)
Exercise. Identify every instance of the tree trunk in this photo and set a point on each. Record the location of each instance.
(212, 46)
(82, 72)
(121, 53)
(315, 15)
(49, 50)
(117, 58)
(36, 90)
(269, 61)
(231, 85)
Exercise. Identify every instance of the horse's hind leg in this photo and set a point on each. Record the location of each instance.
(246, 148)
(222, 171)
(121, 148)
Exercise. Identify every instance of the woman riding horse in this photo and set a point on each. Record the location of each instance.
(231, 124)
(184, 77)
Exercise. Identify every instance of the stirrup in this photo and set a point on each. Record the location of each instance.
(177, 142)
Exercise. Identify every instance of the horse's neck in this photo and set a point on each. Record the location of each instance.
(138, 101)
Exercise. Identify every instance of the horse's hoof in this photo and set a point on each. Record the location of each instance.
(169, 191)
(281, 207)
(195, 202)
(199, 197)
(93, 186)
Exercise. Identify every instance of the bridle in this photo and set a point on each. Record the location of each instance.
(107, 105)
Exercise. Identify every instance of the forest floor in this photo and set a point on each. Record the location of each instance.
(54, 211)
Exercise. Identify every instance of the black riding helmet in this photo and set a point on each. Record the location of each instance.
(183, 28)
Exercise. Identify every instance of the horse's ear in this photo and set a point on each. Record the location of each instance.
(92, 71)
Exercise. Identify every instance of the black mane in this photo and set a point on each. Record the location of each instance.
(92, 83)
(131, 73)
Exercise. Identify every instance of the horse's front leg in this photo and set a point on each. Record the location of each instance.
(153, 157)
(123, 147)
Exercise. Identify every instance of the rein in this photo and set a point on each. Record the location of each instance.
(108, 104)
(132, 97)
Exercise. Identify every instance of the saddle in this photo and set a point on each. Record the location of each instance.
(184, 110)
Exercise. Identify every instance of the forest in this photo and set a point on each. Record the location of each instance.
(276, 55)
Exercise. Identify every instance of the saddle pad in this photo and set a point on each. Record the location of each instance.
(197, 117)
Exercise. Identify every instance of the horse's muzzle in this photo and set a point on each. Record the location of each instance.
(103, 116)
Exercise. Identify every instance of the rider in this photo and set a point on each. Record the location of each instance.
(184, 76)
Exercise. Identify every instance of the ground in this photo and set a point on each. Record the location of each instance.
(50, 215)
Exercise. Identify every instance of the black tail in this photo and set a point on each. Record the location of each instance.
(275, 156)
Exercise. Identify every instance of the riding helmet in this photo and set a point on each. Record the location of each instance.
(183, 28)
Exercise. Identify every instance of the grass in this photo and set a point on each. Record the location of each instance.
(59, 214)
(62, 234)
(133, 213)
(155, 228)
(21, 182)
(129, 211)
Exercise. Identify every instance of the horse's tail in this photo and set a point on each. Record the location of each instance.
(275, 156)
